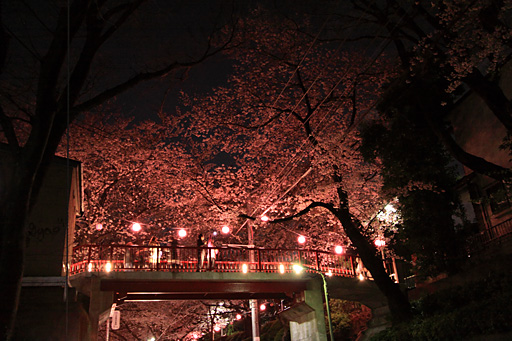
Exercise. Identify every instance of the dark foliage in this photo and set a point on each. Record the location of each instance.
(417, 171)
(459, 313)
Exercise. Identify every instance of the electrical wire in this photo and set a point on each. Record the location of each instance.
(349, 129)
(68, 182)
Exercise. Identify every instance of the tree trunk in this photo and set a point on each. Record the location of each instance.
(397, 300)
(398, 303)
(15, 209)
(493, 96)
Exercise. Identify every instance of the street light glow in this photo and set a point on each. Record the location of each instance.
(263, 307)
(297, 268)
(238, 316)
(182, 233)
(136, 227)
(108, 267)
(225, 229)
(264, 218)
(379, 242)
(301, 239)
(99, 226)
(245, 268)
(338, 249)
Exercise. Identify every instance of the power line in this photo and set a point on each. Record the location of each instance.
(360, 117)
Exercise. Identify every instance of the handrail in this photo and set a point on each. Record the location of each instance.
(487, 236)
(120, 257)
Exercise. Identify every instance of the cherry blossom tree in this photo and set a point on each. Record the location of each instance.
(288, 118)
(59, 60)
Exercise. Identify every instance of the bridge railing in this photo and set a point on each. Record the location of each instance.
(96, 258)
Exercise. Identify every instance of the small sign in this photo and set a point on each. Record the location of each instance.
(116, 320)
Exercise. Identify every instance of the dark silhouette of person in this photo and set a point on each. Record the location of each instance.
(200, 251)
(174, 252)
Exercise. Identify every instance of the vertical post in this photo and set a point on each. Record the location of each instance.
(89, 250)
(158, 258)
(259, 260)
(317, 261)
(327, 305)
(112, 256)
(108, 329)
(395, 271)
(255, 317)
(255, 320)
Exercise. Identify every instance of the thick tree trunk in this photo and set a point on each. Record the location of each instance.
(493, 96)
(398, 303)
(14, 210)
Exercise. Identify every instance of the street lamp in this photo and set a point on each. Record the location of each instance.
(136, 227)
(298, 269)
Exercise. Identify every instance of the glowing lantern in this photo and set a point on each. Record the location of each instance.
(182, 233)
(108, 267)
(301, 239)
(89, 267)
(225, 229)
(361, 277)
(99, 226)
(238, 316)
(329, 273)
(281, 268)
(136, 227)
(245, 268)
(263, 307)
(338, 249)
(379, 242)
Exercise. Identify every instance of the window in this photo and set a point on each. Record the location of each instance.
(498, 198)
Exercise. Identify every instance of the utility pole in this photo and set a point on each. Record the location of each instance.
(255, 316)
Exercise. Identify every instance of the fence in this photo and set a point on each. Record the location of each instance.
(95, 258)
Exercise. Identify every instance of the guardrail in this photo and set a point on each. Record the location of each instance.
(96, 258)
(483, 238)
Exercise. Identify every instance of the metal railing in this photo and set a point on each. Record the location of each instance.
(490, 235)
(99, 258)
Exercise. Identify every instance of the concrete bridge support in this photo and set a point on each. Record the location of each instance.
(307, 320)
(97, 309)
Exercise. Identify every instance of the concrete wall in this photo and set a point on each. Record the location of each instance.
(43, 315)
(311, 326)
(54, 211)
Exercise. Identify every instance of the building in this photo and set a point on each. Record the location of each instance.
(48, 308)
(488, 202)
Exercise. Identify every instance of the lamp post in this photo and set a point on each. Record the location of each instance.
(253, 303)
(298, 268)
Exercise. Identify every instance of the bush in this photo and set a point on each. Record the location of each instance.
(478, 308)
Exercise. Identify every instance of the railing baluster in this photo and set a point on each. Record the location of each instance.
(220, 259)
(259, 260)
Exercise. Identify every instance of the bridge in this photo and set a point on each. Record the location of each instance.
(242, 259)
(110, 274)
